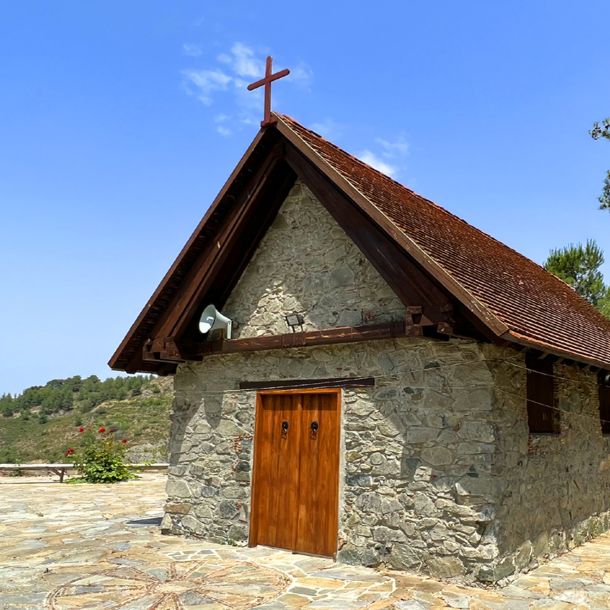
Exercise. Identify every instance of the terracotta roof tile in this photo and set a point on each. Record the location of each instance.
(537, 307)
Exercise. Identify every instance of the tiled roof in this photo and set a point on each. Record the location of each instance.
(537, 308)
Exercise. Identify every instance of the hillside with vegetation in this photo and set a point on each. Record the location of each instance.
(39, 424)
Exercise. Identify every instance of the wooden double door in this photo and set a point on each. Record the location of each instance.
(295, 486)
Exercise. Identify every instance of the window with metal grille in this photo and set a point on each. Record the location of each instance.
(542, 414)
(604, 400)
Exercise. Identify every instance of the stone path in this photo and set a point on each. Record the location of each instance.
(99, 547)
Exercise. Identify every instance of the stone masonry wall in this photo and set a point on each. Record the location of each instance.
(554, 490)
(417, 448)
(306, 263)
(418, 488)
(438, 473)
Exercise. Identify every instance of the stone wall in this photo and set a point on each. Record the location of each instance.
(418, 489)
(438, 473)
(306, 263)
(554, 490)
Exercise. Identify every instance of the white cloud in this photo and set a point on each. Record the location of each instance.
(242, 60)
(221, 120)
(246, 118)
(388, 159)
(205, 82)
(397, 147)
(245, 63)
(240, 64)
(370, 158)
(191, 50)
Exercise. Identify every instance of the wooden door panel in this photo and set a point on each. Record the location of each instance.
(276, 466)
(318, 474)
(296, 474)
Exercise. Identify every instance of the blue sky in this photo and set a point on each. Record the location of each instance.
(120, 121)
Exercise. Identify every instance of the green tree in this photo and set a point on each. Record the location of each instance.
(60, 395)
(602, 130)
(578, 266)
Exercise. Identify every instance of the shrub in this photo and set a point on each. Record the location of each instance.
(100, 456)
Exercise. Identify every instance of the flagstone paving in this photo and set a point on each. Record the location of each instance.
(99, 547)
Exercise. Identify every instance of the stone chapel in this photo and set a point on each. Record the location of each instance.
(397, 388)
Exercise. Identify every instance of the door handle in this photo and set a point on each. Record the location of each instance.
(284, 428)
(314, 428)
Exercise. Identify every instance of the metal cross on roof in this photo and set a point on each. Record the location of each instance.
(267, 80)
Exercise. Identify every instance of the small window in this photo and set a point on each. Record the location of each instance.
(604, 400)
(542, 416)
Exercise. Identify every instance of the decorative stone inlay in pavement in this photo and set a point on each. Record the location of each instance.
(180, 584)
(69, 547)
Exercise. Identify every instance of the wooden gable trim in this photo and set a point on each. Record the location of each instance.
(270, 177)
(409, 281)
(217, 253)
(487, 318)
(127, 351)
(218, 238)
(428, 306)
(219, 267)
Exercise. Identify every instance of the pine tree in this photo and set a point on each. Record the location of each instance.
(578, 266)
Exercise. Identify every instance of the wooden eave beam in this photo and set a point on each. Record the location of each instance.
(518, 341)
(331, 336)
(290, 384)
(166, 349)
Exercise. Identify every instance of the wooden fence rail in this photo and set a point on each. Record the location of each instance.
(61, 469)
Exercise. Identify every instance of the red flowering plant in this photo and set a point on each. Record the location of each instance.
(100, 456)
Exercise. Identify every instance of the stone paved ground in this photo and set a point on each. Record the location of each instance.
(99, 547)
